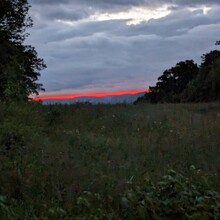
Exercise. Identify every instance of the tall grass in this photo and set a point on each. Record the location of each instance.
(51, 155)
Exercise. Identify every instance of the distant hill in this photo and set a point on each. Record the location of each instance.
(116, 99)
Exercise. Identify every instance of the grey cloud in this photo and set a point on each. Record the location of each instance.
(48, 2)
(125, 2)
(49, 13)
(109, 54)
(194, 2)
(122, 3)
(67, 14)
(79, 9)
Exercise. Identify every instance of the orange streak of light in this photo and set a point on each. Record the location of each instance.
(96, 95)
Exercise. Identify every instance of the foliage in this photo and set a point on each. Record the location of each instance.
(209, 77)
(106, 162)
(19, 64)
(186, 82)
(174, 81)
(14, 19)
(174, 197)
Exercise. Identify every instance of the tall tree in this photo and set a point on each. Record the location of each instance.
(208, 76)
(173, 81)
(19, 63)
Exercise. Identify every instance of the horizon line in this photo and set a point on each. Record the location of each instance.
(96, 95)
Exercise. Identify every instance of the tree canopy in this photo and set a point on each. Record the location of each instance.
(19, 63)
(188, 82)
(173, 81)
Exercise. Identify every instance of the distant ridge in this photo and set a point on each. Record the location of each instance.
(108, 99)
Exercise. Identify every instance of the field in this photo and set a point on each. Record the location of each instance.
(93, 162)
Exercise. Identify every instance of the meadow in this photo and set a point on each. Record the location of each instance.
(82, 161)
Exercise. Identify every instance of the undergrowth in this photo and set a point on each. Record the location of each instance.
(109, 162)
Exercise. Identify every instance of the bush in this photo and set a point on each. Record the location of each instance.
(174, 197)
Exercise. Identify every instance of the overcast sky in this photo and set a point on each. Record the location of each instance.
(113, 45)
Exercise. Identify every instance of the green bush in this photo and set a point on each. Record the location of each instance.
(174, 197)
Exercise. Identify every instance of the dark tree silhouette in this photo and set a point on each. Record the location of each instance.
(186, 82)
(208, 77)
(173, 81)
(19, 63)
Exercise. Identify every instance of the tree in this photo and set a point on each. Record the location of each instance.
(214, 81)
(19, 63)
(173, 81)
(14, 19)
(205, 86)
(208, 75)
(187, 82)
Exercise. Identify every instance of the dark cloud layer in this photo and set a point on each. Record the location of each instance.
(78, 9)
(87, 54)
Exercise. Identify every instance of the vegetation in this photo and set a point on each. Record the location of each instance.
(186, 82)
(19, 63)
(106, 162)
(109, 162)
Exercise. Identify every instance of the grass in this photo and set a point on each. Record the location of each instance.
(51, 155)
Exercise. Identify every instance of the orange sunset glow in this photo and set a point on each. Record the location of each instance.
(96, 95)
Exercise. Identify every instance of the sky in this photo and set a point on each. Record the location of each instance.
(95, 46)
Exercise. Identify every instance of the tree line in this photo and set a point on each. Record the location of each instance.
(19, 64)
(188, 82)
